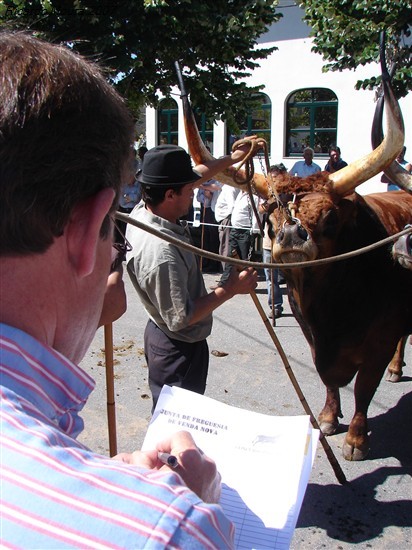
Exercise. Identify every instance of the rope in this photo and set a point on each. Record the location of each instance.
(258, 265)
(254, 146)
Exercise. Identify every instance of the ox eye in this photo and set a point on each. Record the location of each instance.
(280, 235)
(303, 234)
(330, 224)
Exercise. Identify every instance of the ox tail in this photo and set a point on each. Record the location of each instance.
(199, 152)
(346, 180)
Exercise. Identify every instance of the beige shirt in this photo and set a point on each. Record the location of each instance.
(166, 277)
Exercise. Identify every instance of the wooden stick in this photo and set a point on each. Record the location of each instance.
(272, 293)
(111, 405)
(202, 235)
(329, 452)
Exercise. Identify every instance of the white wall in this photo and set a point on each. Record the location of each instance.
(294, 66)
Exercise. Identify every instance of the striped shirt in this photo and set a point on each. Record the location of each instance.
(57, 494)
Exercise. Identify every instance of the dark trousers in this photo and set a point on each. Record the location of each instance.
(224, 232)
(210, 238)
(174, 362)
(242, 241)
(118, 237)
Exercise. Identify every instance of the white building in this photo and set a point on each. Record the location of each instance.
(301, 106)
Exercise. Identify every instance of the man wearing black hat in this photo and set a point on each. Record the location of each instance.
(168, 279)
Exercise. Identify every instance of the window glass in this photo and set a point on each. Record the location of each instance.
(205, 126)
(311, 121)
(258, 122)
(167, 129)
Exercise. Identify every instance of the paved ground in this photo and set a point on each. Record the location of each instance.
(373, 510)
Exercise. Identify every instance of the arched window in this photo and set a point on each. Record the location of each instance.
(311, 121)
(167, 127)
(205, 125)
(258, 122)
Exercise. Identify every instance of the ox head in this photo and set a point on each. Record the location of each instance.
(304, 211)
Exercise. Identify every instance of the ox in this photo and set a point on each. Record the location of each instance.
(353, 313)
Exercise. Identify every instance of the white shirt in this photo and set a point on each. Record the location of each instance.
(225, 202)
(242, 215)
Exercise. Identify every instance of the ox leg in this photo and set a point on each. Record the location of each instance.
(356, 445)
(394, 373)
(328, 417)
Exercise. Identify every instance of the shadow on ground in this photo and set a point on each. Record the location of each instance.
(340, 510)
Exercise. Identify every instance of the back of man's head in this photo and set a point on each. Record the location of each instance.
(65, 134)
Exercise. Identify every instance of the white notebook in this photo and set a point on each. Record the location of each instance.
(265, 461)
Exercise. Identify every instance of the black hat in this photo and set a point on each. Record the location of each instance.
(167, 165)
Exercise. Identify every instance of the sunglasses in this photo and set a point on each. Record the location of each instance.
(119, 249)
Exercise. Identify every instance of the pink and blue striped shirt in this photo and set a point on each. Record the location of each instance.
(58, 494)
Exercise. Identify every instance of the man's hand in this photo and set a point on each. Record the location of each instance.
(240, 152)
(197, 470)
(212, 167)
(115, 303)
(241, 282)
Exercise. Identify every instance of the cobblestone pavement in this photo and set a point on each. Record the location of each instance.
(373, 510)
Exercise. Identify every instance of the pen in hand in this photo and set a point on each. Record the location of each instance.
(168, 459)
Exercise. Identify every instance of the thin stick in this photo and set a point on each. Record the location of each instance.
(202, 235)
(111, 405)
(329, 453)
(272, 293)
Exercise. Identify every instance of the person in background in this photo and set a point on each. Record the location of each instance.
(223, 214)
(65, 150)
(130, 195)
(168, 279)
(335, 162)
(243, 231)
(304, 168)
(208, 223)
(142, 150)
(275, 296)
(407, 165)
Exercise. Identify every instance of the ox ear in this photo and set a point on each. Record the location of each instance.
(342, 215)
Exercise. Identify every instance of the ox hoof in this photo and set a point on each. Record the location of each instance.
(329, 428)
(354, 453)
(393, 377)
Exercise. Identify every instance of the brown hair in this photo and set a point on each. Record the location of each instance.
(65, 134)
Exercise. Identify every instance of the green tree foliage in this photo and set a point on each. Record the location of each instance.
(346, 33)
(138, 41)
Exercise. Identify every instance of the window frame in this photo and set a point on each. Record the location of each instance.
(314, 131)
(171, 115)
(249, 128)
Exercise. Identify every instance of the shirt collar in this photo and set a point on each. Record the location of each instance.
(39, 374)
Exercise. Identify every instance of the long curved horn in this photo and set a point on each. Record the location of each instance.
(395, 172)
(197, 148)
(345, 181)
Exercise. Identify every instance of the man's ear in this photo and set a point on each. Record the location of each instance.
(169, 194)
(83, 230)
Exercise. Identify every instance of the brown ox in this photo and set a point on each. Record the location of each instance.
(353, 313)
